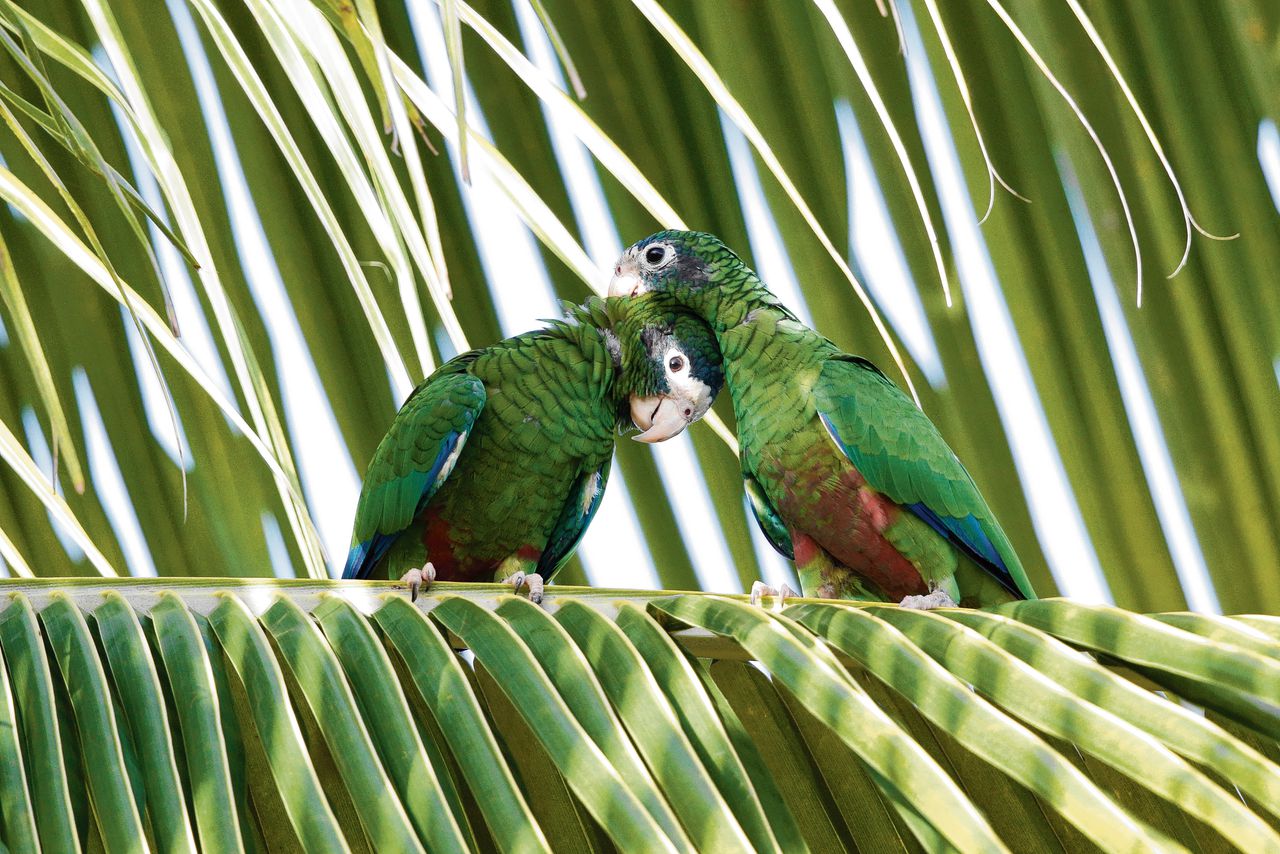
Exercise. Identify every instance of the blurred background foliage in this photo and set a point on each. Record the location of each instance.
(352, 169)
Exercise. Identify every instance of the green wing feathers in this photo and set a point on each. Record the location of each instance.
(579, 509)
(556, 381)
(768, 518)
(901, 454)
(413, 460)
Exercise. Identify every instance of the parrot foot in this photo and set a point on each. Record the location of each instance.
(782, 591)
(532, 580)
(419, 580)
(934, 599)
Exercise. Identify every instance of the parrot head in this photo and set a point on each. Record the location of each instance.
(672, 260)
(668, 363)
(675, 375)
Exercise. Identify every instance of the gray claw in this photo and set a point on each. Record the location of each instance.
(419, 579)
(532, 580)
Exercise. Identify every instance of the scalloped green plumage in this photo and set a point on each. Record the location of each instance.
(498, 461)
(845, 474)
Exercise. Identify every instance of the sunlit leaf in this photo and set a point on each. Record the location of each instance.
(652, 731)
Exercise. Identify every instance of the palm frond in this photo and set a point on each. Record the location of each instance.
(260, 715)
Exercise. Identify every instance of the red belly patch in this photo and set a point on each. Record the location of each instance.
(847, 518)
(461, 564)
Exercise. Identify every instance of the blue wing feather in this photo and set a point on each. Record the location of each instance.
(364, 556)
(967, 534)
(579, 509)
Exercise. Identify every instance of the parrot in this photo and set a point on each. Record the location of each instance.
(496, 463)
(845, 475)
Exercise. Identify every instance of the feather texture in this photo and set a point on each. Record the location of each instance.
(482, 470)
(844, 473)
(498, 461)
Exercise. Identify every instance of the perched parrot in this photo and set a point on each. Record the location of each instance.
(847, 477)
(495, 465)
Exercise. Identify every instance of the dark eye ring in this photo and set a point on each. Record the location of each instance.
(676, 363)
(655, 254)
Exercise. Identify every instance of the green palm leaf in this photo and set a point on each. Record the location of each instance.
(361, 725)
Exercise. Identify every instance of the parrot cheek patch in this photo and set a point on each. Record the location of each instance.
(695, 395)
(692, 271)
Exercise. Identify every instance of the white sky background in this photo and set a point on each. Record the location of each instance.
(1269, 155)
(329, 479)
(614, 551)
(879, 252)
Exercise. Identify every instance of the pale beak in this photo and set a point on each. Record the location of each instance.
(626, 278)
(624, 285)
(660, 417)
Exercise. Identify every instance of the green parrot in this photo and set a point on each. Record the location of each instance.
(846, 476)
(495, 465)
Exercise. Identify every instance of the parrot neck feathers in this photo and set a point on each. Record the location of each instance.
(737, 297)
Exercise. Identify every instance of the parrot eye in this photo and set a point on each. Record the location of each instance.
(676, 364)
(655, 255)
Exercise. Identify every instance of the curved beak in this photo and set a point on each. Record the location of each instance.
(626, 279)
(659, 417)
(624, 285)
